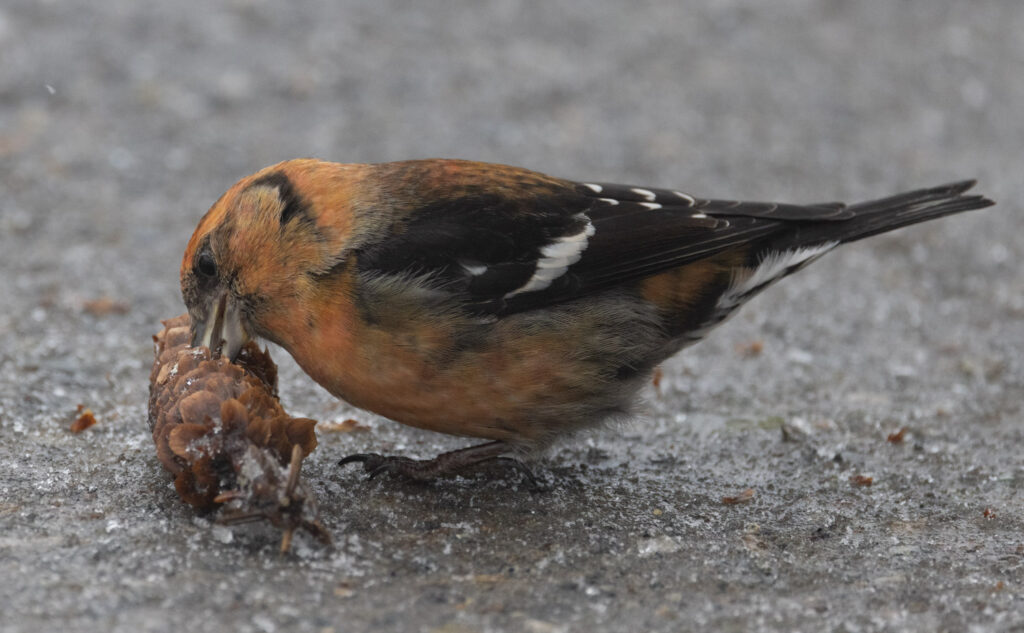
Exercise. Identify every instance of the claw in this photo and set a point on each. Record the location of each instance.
(524, 470)
(359, 457)
(372, 462)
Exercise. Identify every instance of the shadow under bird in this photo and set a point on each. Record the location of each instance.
(492, 301)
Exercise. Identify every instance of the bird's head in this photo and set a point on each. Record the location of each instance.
(262, 250)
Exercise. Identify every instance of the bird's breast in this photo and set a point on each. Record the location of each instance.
(505, 388)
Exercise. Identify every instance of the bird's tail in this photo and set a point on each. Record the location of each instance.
(805, 234)
(865, 219)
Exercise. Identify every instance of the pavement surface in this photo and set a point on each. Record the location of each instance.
(121, 122)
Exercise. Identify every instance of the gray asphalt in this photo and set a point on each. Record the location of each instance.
(121, 122)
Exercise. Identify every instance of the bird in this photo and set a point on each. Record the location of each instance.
(490, 301)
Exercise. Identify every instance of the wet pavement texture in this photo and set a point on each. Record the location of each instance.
(765, 487)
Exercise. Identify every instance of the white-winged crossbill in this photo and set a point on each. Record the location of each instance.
(491, 301)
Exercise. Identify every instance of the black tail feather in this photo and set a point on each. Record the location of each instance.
(886, 214)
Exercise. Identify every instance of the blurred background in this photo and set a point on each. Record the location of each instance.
(121, 122)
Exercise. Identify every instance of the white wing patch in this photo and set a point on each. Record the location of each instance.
(748, 281)
(593, 187)
(690, 200)
(473, 268)
(646, 193)
(556, 258)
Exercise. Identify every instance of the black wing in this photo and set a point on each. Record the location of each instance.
(507, 254)
(482, 245)
(643, 231)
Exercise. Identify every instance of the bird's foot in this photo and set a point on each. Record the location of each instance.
(450, 463)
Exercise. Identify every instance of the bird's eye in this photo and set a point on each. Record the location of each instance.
(205, 264)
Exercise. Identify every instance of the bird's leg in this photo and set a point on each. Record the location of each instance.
(450, 463)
